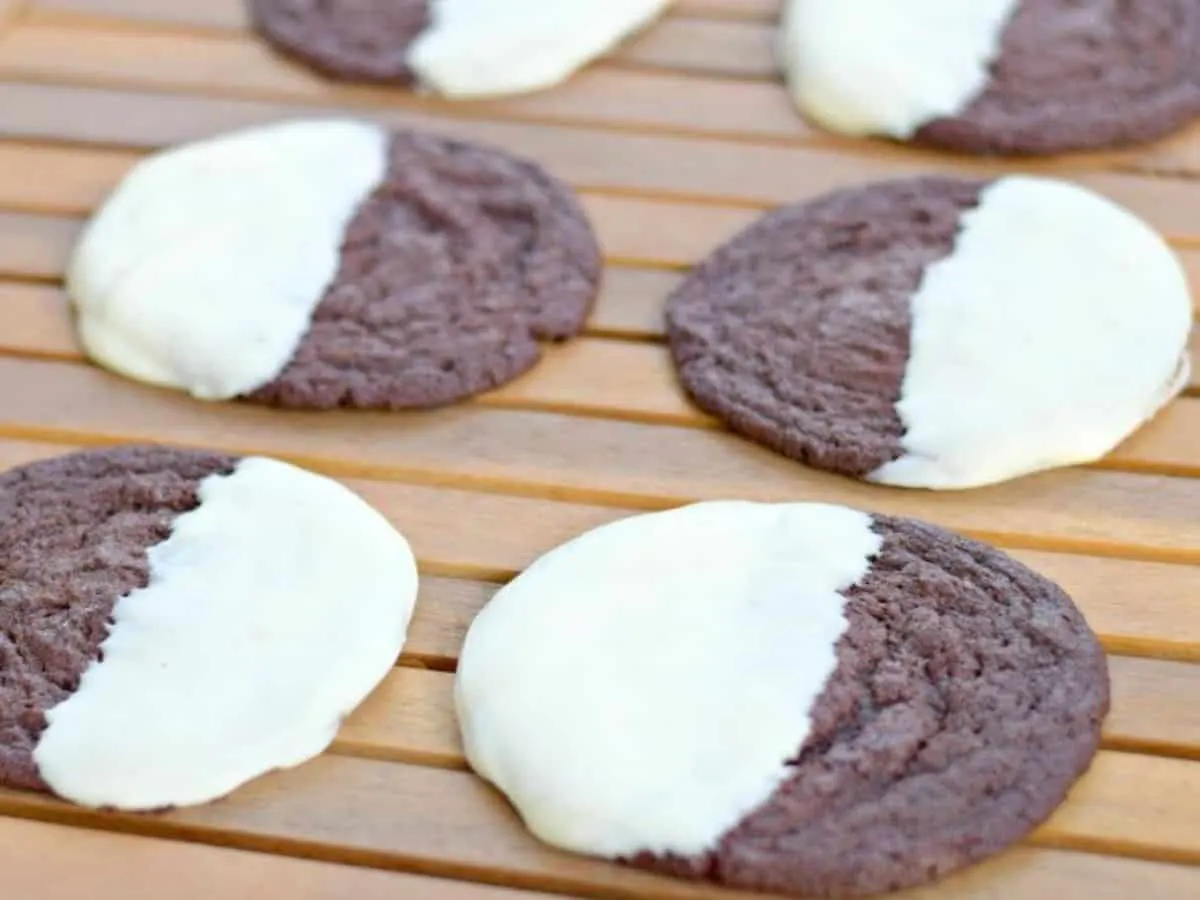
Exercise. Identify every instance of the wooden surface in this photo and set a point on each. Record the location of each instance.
(677, 141)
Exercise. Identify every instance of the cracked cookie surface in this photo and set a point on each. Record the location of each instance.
(75, 539)
(1080, 76)
(968, 697)
(451, 272)
(796, 332)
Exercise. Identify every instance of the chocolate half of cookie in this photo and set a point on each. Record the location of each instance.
(355, 40)
(455, 48)
(798, 698)
(935, 331)
(999, 76)
(176, 622)
(329, 263)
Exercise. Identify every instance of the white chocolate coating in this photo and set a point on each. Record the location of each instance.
(1056, 327)
(883, 67)
(641, 686)
(202, 270)
(478, 48)
(273, 609)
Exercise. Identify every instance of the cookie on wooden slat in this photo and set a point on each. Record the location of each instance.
(456, 48)
(332, 263)
(937, 332)
(174, 623)
(996, 76)
(798, 698)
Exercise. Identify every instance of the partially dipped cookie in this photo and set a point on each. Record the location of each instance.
(455, 48)
(995, 76)
(937, 332)
(332, 263)
(797, 698)
(175, 623)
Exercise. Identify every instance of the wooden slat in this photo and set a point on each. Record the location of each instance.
(758, 176)
(704, 46)
(234, 63)
(1140, 608)
(596, 377)
(684, 43)
(8, 12)
(229, 14)
(735, 48)
(184, 13)
(42, 861)
(72, 180)
(600, 99)
(1154, 706)
(351, 809)
(631, 232)
(410, 717)
(633, 381)
(1074, 509)
(34, 246)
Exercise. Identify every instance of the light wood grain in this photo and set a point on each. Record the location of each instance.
(732, 171)
(556, 455)
(633, 381)
(680, 42)
(231, 14)
(1140, 608)
(704, 46)
(88, 863)
(35, 246)
(348, 809)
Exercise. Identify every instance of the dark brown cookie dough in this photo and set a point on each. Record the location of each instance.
(967, 699)
(1075, 75)
(452, 271)
(74, 540)
(796, 332)
(353, 40)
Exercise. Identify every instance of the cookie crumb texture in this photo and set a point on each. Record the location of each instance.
(1082, 76)
(796, 332)
(451, 272)
(73, 540)
(353, 40)
(968, 698)
(995, 76)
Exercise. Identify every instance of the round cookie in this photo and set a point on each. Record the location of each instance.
(455, 48)
(937, 332)
(174, 623)
(796, 698)
(996, 76)
(329, 263)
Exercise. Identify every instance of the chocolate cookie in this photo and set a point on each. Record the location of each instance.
(1006, 76)
(141, 662)
(456, 48)
(828, 704)
(355, 40)
(936, 332)
(321, 264)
